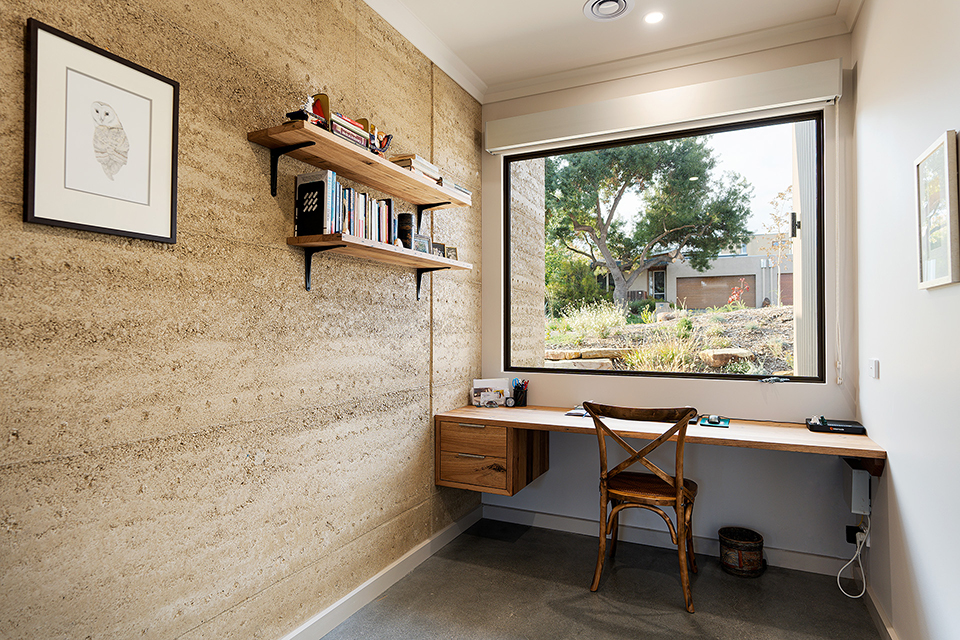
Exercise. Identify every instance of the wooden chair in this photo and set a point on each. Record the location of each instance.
(652, 491)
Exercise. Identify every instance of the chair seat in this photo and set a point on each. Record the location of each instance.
(645, 488)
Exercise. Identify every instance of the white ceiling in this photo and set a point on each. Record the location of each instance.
(503, 48)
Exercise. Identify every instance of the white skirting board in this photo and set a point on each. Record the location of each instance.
(325, 621)
(661, 538)
(880, 618)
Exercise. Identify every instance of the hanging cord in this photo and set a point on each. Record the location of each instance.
(838, 245)
(861, 540)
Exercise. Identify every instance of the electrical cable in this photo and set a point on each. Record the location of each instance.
(861, 540)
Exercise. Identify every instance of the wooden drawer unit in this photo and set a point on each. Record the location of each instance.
(487, 457)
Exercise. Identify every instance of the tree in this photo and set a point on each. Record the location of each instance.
(778, 227)
(684, 214)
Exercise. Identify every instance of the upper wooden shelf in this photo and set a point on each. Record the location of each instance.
(328, 151)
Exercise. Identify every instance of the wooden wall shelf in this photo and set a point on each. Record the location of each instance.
(324, 150)
(346, 244)
(320, 148)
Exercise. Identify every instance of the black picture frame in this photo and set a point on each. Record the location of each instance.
(107, 165)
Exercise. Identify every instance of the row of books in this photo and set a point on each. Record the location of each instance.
(324, 206)
(416, 164)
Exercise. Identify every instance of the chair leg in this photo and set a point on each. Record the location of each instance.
(690, 552)
(682, 555)
(603, 540)
(615, 532)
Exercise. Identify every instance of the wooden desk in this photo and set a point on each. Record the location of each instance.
(502, 450)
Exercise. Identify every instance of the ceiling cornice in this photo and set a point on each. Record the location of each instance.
(410, 27)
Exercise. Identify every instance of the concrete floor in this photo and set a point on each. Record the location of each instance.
(505, 581)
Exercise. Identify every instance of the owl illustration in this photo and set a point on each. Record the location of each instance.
(110, 144)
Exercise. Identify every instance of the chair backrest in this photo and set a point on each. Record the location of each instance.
(680, 416)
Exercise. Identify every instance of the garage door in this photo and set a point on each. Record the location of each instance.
(786, 288)
(714, 291)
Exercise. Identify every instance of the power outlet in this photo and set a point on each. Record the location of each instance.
(852, 532)
(873, 367)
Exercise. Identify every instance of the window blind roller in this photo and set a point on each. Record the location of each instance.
(806, 84)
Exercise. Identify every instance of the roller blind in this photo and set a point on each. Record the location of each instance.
(819, 82)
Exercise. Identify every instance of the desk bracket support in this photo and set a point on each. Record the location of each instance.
(874, 466)
(424, 270)
(426, 207)
(308, 260)
(275, 159)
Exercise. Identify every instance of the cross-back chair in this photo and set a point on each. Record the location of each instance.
(653, 491)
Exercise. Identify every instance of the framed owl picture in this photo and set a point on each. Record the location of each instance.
(101, 140)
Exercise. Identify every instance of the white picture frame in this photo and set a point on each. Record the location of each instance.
(935, 177)
(101, 140)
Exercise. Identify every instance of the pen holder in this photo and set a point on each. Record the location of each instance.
(519, 396)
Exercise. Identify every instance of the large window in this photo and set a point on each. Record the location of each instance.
(698, 253)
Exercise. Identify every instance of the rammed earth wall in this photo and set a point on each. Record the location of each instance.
(193, 445)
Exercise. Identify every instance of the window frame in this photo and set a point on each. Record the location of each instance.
(817, 116)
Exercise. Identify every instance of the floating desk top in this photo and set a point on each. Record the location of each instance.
(860, 451)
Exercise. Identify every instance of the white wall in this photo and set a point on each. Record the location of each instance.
(794, 500)
(907, 57)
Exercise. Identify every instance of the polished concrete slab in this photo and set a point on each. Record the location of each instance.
(500, 581)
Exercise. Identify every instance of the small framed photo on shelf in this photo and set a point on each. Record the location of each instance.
(101, 140)
(439, 250)
(451, 252)
(422, 243)
(935, 174)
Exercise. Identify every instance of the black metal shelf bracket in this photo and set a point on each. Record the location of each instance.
(275, 159)
(425, 207)
(308, 260)
(422, 271)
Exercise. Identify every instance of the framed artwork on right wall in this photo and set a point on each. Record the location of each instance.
(935, 173)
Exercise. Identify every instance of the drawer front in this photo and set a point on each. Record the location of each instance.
(478, 439)
(474, 469)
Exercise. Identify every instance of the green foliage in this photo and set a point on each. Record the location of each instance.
(727, 308)
(684, 328)
(649, 316)
(737, 366)
(570, 281)
(665, 354)
(638, 306)
(597, 318)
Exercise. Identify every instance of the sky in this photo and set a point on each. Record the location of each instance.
(762, 155)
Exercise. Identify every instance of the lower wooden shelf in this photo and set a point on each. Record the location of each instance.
(347, 244)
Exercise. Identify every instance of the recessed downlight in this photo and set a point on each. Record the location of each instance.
(604, 10)
(653, 17)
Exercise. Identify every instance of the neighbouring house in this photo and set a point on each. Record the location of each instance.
(753, 265)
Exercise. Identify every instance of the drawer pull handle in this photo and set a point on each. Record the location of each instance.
(471, 455)
(473, 426)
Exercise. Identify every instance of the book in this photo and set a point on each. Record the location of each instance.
(329, 219)
(348, 131)
(416, 162)
(457, 187)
